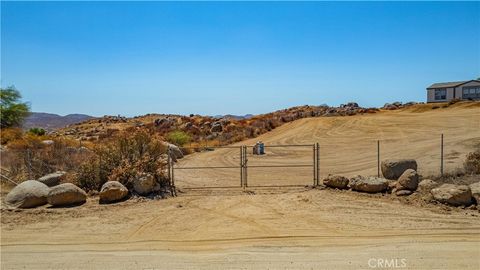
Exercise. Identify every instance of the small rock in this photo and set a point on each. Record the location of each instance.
(48, 142)
(112, 191)
(394, 168)
(404, 192)
(369, 184)
(144, 184)
(175, 151)
(408, 180)
(52, 179)
(475, 188)
(427, 185)
(456, 195)
(336, 181)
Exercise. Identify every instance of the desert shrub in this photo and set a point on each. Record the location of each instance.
(122, 158)
(37, 131)
(10, 134)
(29, 158)
(178, 137)
(472, 162)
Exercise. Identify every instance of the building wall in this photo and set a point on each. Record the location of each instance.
(452, 93)
(459, 89)
(431, 95)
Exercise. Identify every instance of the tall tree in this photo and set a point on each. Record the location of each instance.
(12, 110)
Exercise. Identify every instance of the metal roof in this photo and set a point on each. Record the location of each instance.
(449, 84)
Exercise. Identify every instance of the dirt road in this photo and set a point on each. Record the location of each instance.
(348, 146)
(270, 228)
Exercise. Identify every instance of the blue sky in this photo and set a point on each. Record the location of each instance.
(133, 58)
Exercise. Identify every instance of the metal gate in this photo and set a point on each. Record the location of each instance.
(248, 164)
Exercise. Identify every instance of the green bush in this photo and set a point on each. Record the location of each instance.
(37, 131)
(178, 137)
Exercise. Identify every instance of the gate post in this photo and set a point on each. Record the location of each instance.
(245, 166)
(241, 166)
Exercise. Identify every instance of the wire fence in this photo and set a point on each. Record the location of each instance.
(307, 164)
(282, 165)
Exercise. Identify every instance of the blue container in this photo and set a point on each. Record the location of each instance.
(261, 148)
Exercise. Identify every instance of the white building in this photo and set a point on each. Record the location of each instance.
(442, 92)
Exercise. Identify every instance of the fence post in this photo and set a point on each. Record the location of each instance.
(314, 164)
(245, 161)
(318, 164)
(441, 154)
(169, 164)
(378, 158)
(241, 166)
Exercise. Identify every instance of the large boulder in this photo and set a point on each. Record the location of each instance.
(336, 181)
(475, 188)
(455, 195)
(52, 179)
(408, 180)
(216, 127)
(427, 185)
(112, 191)
(28, 194)
(144, 184)
(175, 151)
(394, 168)
(369, 184)
(66, 194)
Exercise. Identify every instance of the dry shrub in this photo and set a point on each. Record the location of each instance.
(10, 134)
(123, 158)
(29, 158)
(472, 162)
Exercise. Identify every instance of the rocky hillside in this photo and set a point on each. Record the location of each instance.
(50, 121)
(202, 129)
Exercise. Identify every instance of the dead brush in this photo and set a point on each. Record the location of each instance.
(122, 158)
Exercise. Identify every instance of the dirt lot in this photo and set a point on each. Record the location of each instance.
(272, 228)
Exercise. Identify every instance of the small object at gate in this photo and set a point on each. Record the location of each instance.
(259, 148)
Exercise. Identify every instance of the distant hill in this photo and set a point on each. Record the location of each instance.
(235, 117)
(50, 121)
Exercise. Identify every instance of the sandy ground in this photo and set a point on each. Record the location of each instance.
(271, 228)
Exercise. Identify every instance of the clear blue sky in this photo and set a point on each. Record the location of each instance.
(216, 58)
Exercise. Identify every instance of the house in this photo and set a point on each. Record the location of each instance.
(442, 92)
